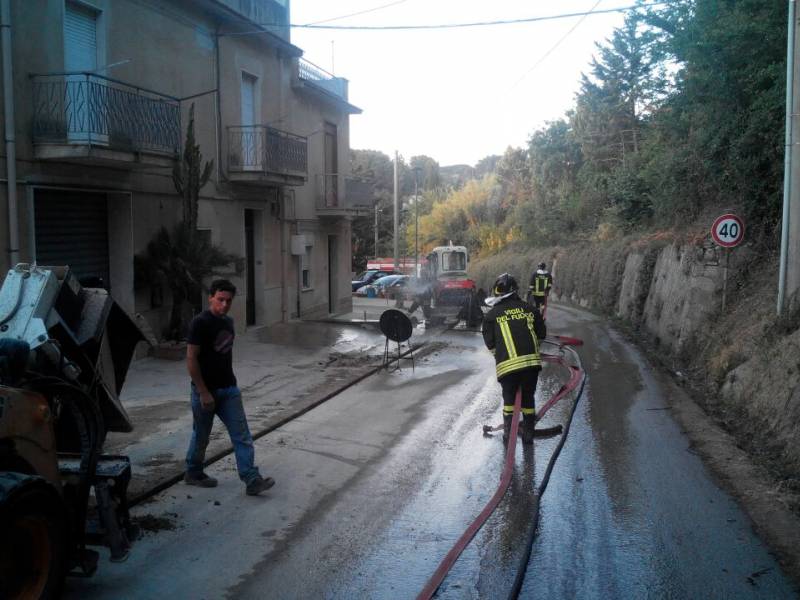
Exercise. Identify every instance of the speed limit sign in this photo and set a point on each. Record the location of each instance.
(727, 230)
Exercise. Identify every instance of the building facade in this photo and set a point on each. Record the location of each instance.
(96, 99)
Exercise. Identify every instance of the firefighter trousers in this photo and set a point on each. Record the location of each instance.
(511, 382)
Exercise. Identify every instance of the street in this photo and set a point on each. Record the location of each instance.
(375, 485)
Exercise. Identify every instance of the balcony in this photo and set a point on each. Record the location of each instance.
(90, 119)
(318, 81)
(343, 196)
(271, 15)
(261, 155)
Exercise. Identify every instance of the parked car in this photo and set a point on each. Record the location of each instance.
(390, 286)
(385, 287)
(368, 276)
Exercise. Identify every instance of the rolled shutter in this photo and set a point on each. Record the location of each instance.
(72, 229)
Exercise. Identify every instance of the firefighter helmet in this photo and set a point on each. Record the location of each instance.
(505, 284)
(542, 266)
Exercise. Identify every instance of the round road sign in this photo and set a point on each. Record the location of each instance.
(727, 230)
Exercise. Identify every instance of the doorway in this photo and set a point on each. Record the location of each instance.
(251, 145)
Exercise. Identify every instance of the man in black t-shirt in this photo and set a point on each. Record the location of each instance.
(209, 358)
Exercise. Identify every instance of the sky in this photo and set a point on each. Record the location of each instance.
(456, 95)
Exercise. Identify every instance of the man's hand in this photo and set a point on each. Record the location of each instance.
(207, 400)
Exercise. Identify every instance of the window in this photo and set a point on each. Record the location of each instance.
(454, 261)
(251, 143)
(80, 56)
(331, 166)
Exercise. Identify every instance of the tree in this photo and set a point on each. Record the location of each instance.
(180, 259)
(188, 176)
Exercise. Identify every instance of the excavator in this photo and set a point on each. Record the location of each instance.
(65, 351)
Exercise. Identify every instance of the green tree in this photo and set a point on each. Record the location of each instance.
(180, 259)
(189, 175)
(720, 134)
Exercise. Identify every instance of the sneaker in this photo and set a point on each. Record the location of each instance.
(201, 480)
(258, 485)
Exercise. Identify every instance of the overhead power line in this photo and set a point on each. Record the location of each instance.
(355, 14)
(558, 43)
(477, 23)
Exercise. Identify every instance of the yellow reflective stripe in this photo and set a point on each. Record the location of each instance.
(533, 335)
(528, 411)
(515, 364)
(540, 279)
(508, 409)
(508, 339)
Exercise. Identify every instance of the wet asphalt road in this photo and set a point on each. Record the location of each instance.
(375, 485)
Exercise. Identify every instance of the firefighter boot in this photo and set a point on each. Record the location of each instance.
(528, 425)
(507, 427)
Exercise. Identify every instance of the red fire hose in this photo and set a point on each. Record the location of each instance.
(576, 374)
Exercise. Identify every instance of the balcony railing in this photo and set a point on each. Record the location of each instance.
(337, 194)
(85, 108)
(321, 78)
(360, 192)
(269, 14)
(268, 151)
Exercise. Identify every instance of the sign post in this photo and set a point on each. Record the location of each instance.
(728, 232)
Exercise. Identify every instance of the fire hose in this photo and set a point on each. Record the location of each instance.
(577, 378)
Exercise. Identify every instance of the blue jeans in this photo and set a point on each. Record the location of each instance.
(228, 407)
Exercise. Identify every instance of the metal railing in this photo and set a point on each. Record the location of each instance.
(258, 148)
(341, 193)
(85, 108)
(360, 192)
(269, 14)
(320, 77)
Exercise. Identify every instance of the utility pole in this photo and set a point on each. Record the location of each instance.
(396, 216)
(416, 222)
(377, 210)
(789, 274)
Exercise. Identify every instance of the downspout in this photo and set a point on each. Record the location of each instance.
(787, 159)
(282, 224)
(10, 133)
(218, 103)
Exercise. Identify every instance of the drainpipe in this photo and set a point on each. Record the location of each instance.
(787, 160)
(10, 131)
(218, 106)
(282, 223)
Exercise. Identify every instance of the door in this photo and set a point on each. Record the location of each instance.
(251, 145)
(332, 275)
(250, 262)
(71, 228)
(84, 112)
(331, 166)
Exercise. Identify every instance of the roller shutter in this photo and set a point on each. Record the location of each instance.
(72, 229)
(80, 38)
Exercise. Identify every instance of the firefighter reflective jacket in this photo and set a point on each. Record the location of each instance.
(512, 330)
(541, 282)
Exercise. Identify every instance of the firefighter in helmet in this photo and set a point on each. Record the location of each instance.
(540, 284)
(512, 330)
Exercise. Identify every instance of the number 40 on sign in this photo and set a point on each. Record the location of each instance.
(727, 230)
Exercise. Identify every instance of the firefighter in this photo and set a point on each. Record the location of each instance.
(539, 288)
(512, 330)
